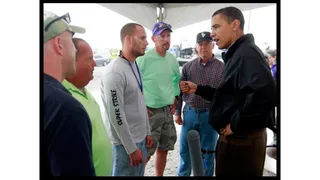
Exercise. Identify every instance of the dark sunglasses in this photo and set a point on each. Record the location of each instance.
(65, 17)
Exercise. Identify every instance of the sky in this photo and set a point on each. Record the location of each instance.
(103, 25)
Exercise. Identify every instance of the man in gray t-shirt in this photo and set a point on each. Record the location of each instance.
(126, 117)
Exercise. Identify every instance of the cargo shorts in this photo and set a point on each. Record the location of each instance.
(163, 130)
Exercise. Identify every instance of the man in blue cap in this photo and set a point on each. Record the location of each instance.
(160, 75)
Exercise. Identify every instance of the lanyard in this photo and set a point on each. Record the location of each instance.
(139, 83)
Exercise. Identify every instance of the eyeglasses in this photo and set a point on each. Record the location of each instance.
(65, 17)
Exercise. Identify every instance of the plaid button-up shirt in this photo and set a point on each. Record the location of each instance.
(208, 74)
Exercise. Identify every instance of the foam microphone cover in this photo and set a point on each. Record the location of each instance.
(195, 153)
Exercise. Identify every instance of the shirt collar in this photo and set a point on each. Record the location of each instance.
(73, 88)
(229, 47)
(210, 60)
(53, 81)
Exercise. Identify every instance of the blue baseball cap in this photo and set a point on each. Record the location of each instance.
(160, 27)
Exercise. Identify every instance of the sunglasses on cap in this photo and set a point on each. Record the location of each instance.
(162, 26)
(65, 17)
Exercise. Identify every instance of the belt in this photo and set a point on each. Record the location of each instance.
(199, 109)
(272, 145)
(202, 110)
(207, 151)
(166, 106)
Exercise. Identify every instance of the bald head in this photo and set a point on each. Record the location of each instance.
(80, 45)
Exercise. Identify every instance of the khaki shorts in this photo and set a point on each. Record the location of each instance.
(163, 130)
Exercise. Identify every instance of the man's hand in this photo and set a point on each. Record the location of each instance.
(173, 107)
(149, 113)
(188, 87)
(178, 119)
(149, 142)
(136, 157)
(226, 131)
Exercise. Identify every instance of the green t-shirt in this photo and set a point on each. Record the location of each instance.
(160, 76)
(101, 146)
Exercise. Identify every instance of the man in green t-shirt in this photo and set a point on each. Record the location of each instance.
(160, 75)
(101, 146)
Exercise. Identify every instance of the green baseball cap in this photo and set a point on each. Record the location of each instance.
(54, 25)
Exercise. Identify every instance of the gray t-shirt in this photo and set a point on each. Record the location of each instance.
(126, 117)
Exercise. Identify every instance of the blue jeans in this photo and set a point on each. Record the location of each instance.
(121, 161)
(197, 120)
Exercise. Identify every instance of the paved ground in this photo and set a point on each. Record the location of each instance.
(173, 156)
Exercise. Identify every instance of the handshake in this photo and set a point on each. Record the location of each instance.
(188, 87)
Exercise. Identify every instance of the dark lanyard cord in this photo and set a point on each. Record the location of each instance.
(139, 83)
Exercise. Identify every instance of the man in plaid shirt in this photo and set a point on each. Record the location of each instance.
(204, 70)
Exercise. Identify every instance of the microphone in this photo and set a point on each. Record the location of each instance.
(195, 153)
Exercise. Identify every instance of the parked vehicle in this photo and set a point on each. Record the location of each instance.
(100, 60)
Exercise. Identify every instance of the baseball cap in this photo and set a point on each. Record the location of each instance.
(54, 25)
(204, 36)
(159, 27)
(272, 52)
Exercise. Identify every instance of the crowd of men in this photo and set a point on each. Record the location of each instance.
(229, 103)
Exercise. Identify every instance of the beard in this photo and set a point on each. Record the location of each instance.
(137, 53)
(136, 50)
(166, 46)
